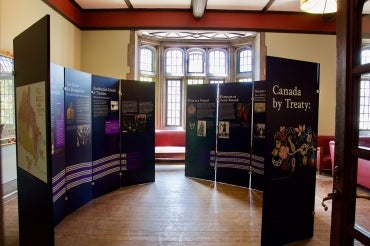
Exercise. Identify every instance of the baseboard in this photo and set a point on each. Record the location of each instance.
(9, 188)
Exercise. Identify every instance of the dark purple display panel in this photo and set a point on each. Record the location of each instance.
(105, 135)
(200, 130)
(78, 138)
(57, 141)
(31, 66)
(234, 133)
(290, 161)
(137, 132)
(259, 135)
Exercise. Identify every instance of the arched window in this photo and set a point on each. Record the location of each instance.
(196, 61)
(244, 63)
(174, 61)
(188, 63)
(217, 62)
(147, 63)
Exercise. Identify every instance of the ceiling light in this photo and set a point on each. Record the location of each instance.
(319, 6)
(198, 7)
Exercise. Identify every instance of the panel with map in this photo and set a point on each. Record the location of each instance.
(31, 129)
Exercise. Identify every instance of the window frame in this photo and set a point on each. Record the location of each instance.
(181, 87)
(364, 96)
(244, 75)
(149, 76)
(227, 58)
(182, 60)
(162, 46)
(189, 52)
(7, 93)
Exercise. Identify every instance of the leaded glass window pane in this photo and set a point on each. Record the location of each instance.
(174, 61)
(217, 62)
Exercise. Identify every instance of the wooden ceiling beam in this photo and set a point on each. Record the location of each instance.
(183, 19)
(248, 21)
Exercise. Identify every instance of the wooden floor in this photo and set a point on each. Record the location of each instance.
(174, 210)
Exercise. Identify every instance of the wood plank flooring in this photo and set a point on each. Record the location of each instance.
(174, 210)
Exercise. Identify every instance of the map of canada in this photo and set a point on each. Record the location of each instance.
(31, 129)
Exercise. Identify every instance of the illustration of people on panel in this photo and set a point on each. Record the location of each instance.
(243, 114)
(83, 135)
(224, 129)
(201, 128)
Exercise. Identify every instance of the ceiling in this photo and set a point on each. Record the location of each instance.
(178, 15)
(232, 5)
(263, 6)
(228, 15)
(214, 5)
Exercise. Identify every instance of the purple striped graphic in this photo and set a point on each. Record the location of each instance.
(107, 165)
(79, 172)
(238, 160)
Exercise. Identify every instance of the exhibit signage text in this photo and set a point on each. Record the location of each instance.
(288, 103)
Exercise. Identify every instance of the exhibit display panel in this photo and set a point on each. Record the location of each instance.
(78, 138)
(233, 156)
(290, 159)
(137, 132)
(32, 66)
(219, 134)
(57, 127)
(105, 135)
(201, 110)
(70, 136)
(261, 135)
(258, 135)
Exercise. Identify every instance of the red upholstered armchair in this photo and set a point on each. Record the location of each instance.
(324, 161)
(363, 168)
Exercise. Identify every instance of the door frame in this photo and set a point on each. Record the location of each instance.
(347, 151)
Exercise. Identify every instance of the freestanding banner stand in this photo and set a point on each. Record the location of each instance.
(219, 134)
(259, 135)
(78, 138)
(32, 86)
(234, 133)
(105, 135)
(58, 141)
(137, 132)
(76, 150)
(290, 160)
(200, 130)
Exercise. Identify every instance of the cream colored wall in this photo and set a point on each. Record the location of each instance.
(313, 48)
(65, 49)
(105, 53)
(98, 47)
(65, 39)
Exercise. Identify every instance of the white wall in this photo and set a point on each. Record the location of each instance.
(313, 48)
